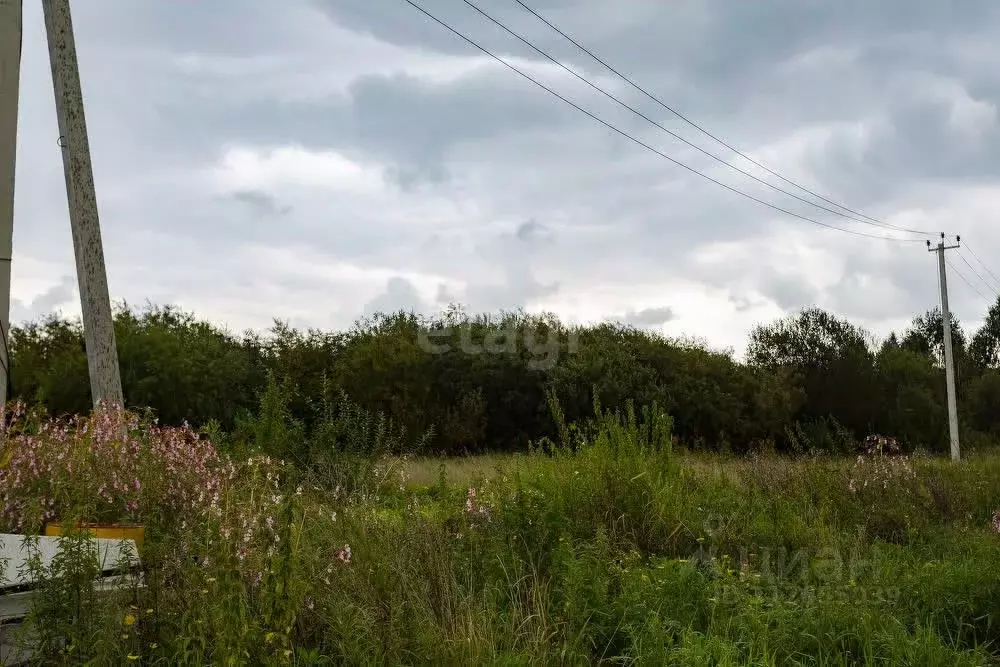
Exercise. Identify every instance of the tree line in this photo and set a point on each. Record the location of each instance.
(474, 383)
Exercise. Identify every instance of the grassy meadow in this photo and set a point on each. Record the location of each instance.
(359, 497)
(610, 546)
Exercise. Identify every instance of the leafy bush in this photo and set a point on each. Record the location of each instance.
(480, 383)
(607, 545)
(109, 467)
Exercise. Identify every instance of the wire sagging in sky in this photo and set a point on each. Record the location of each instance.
(984, 265)
(643, 144)
(712, 136)
(966, 280)
(978, 274)
(698, 148)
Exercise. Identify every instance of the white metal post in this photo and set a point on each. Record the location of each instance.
(98, 323)
(10, 74)
(949, 356)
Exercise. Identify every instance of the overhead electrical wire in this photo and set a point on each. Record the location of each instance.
(993, 287)
(966, 281)
(643, 144)
(851, 213)
(680, 138)
(982, 263)
(716, 138)
(978, 274)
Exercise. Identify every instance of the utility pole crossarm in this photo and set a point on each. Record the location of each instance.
(949, 355)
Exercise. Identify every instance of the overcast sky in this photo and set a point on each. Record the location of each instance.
(315, 160)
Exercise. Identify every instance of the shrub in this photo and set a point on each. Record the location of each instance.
(109, 467)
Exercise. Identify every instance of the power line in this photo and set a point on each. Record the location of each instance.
(709, 134)
(715, 157)
(978, 275)
(642, 143)
(966, 280)
(984, 265)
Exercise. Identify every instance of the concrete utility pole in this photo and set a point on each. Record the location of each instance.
(98, 323)
(949, 356)
(10, 71)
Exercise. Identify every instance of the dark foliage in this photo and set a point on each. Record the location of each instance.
(483, 383)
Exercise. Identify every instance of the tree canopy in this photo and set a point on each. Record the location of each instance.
(485, 382)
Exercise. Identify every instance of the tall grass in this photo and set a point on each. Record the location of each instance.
(607, 546)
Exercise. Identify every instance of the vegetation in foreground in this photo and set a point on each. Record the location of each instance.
(603, 545)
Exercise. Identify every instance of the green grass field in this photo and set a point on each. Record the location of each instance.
(620, 552)
(623, 556)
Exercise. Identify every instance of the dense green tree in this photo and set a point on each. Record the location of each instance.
(831, 360)
(483, 382)
(49, 365)
(982, 404)
(911, 397)
(926, 336)
(984, 350)
(186, 370)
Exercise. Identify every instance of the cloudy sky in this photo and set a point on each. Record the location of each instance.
(316, 160)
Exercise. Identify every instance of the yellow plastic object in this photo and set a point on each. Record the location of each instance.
(109, 532)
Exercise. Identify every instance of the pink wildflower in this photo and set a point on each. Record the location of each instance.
(470, 501)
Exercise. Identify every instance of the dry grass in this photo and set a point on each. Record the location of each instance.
(461, 471)
(466, 470)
